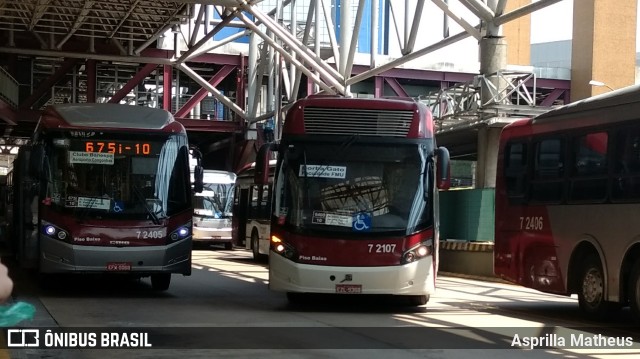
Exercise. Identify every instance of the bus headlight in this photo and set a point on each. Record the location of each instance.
(54, 232)
(284, 249)
(419, 251)
(180, 233)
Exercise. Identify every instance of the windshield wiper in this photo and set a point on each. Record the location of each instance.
(140, 196)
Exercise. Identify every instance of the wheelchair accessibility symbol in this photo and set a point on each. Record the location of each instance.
(117, 207)
(361, 222)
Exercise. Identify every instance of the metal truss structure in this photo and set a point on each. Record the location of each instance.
(110, 46)
(511, 94)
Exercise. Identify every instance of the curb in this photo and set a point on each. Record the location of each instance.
(466, 246)
(474, 277)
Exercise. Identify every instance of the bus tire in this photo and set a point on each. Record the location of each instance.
(255, 245)
(634, 291)
(418, 300)
(295, 298)
(591, 289)
(160, 281)
(228, 246)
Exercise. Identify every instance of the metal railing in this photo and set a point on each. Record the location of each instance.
(504, 94)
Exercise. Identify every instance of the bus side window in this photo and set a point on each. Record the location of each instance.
(588, 181)
(548, 181)
(265, 200)
(515, 171)
(254, 205)
(626, 184)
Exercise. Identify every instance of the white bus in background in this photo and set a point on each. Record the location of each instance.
(212, 209)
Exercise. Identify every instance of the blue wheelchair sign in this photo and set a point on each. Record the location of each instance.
(361, 222)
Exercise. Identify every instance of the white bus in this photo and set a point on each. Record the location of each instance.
(212, 209)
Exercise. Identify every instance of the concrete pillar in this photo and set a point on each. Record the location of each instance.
(488, 140)
(493, 58)
(603, 46)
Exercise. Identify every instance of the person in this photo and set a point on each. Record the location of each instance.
(269, 127)
(6, 284)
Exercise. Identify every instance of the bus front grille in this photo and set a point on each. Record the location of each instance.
(340, 121)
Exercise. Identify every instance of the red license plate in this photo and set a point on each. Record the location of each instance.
(119, 266)
(348, 288)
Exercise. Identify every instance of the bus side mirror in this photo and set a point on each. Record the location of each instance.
(36, 161)
(261, 175)
(198, 179)
(443, 169)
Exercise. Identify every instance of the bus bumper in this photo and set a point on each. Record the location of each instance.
(213, 235)
(61, 257)
(417, 278)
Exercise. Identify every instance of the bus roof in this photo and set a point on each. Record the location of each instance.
(213, 176)
(624, 96)
(217, 176)
(378, 117)
(333, 101)
(107, 115)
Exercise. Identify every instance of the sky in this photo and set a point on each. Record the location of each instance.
(558, 14)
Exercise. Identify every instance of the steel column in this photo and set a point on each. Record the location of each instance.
(90, 67)
(167, 82)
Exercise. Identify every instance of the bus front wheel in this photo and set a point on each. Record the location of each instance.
(634, 291)
(418, 300)
(591, 296)
(255, 245)
(160, 281)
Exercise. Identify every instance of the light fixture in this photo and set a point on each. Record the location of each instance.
(175, 29)
(600, 84)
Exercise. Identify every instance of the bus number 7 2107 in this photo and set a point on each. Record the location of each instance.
(382, 248)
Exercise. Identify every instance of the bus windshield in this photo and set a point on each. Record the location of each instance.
(370, 188)
(117, 175)
(215, 200)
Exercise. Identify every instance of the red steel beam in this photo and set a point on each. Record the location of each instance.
(202, 93)
(167, 80)
(135, 80)
(397, 88)
(378, 89)
(48, 83)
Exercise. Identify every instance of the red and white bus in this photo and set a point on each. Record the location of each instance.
(567, 191)
(251, 211)
(355, 200)
(105, 188)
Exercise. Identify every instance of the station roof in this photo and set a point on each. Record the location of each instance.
(125, 20)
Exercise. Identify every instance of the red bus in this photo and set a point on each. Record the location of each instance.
(567, 186)
(355, 200)
(105, 188)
